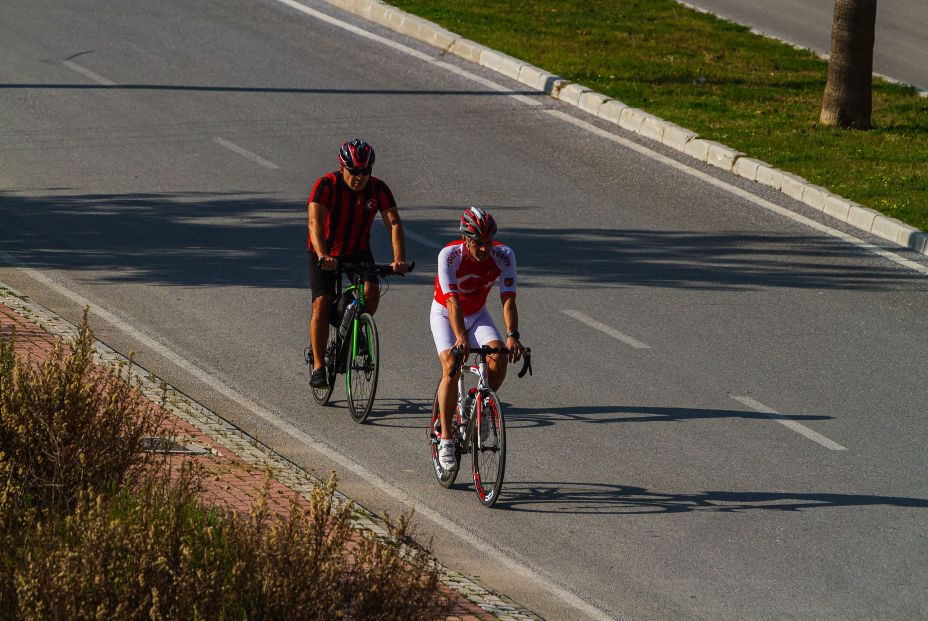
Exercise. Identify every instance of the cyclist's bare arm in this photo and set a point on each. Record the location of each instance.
(391, 219)
(317, 215)
(511, 317)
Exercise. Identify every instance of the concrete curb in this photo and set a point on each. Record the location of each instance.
(642, 123)
(250, 450)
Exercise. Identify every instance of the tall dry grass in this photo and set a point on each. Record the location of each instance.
(67, 426)
(89, 529)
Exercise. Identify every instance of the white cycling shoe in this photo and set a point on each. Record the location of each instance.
(446, 457)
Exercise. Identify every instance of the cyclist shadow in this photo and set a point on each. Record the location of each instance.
(602, 498)
(523, 418)
(400, 413)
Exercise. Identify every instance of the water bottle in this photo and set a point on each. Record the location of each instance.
(348, 318)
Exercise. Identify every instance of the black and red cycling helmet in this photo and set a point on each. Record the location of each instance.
(357, 156)
(477, 224)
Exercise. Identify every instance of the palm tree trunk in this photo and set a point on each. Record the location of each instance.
(848, 100)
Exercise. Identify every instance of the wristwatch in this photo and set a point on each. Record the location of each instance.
(514, 334)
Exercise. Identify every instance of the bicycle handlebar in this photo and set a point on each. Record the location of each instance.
(363, 268)
(458, 354)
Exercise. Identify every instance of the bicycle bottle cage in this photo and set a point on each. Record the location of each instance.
(337, 310)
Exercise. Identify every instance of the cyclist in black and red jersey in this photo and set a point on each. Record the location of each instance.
(342, 209)
(467, 269)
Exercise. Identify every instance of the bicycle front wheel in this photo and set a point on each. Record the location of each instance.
(363, 368)
(488, 448)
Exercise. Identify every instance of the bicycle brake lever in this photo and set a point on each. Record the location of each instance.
(409, 267)
(458, 355)
(527, 365)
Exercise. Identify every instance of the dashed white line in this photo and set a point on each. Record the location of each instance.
(96, 77)
(425, 241)
(621, 336)
(797, 427)
(257, 159)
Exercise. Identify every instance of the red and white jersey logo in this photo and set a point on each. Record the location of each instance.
(469, 280)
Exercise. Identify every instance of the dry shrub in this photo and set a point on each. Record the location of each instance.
(89, 532)
(315, 566)
(154, 552)
(66, 426)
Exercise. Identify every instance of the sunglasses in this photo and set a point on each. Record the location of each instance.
(357, 172)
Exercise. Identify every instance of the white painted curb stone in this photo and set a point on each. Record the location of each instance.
(642, 123)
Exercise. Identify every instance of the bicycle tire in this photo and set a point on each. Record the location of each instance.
(363, 369)
(488, 448)
(445, 477)
(322, 395)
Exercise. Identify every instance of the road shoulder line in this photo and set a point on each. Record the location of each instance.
(247, 448)
(640, 122)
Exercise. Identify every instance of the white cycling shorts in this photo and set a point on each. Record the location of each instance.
(480, 328)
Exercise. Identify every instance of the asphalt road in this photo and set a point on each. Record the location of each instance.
(899, 52)
(155, 160)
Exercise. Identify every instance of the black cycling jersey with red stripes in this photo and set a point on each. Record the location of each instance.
(350, 214)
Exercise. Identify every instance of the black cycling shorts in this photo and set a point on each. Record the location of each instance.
(322, 282)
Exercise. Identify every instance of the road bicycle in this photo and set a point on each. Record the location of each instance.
(479, 426)
(353, 348)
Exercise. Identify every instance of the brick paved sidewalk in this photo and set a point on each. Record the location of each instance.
(237, 468)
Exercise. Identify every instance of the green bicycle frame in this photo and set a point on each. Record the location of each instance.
(352, 334)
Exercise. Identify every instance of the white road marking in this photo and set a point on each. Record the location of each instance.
(798, 428)
(425, 241)
(698, 174)
(722, 185)
(231, 146)
(491, 549)
(334, 21)
(96, 77)
(631, 342)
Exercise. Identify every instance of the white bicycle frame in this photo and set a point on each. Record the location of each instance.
(468, 421)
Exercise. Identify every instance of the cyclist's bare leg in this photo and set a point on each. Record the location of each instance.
(496, 367)
(371, 297)
(319, 328)
(447, 394)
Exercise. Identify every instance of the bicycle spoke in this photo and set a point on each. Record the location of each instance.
(488, 449)
(362, 368)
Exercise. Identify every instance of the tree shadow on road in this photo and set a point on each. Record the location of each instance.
(257, 239)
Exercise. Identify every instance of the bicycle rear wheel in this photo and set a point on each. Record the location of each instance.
(362, 369)
(488, 448)
(445, 477)
(322, 395)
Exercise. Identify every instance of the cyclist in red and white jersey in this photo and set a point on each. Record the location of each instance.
(467, 270)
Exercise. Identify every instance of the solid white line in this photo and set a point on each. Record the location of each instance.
(408, 50)
(722, 185)
(231, 146)
(631, 342)
(96, 77)
(492, 550)
(798, 428)
(618, 139)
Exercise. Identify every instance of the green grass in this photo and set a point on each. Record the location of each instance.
(717, 79)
